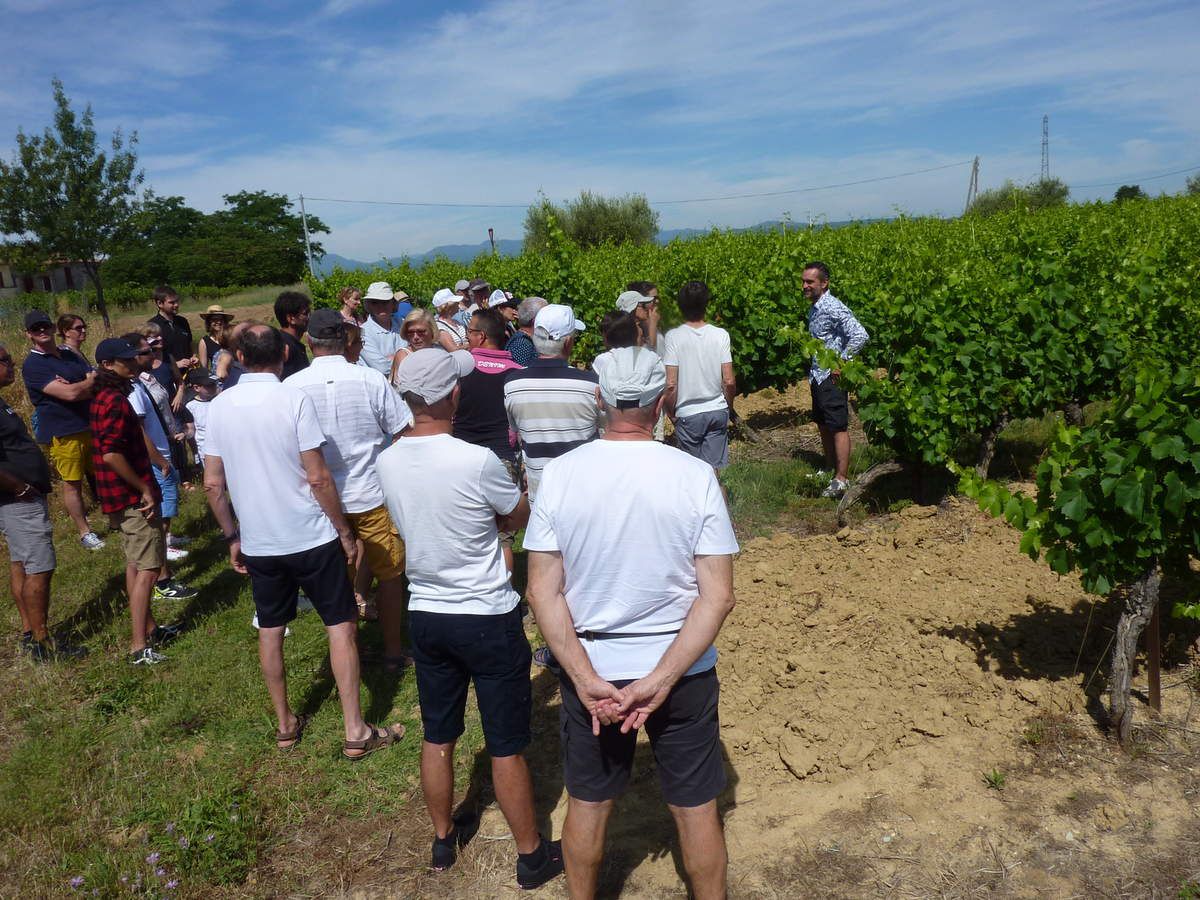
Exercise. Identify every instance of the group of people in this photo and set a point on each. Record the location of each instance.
(418, 445)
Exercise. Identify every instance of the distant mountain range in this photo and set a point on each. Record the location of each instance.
(466, 253)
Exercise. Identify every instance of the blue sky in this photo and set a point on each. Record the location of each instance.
(491, 102)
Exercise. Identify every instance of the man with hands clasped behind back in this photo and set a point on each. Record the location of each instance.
(630, 577)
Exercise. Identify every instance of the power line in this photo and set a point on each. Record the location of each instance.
(1130, 180)
(803, 190)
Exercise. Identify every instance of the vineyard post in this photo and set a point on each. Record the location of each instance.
(1153, 658)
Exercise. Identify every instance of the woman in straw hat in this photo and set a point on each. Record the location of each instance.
(216, 321)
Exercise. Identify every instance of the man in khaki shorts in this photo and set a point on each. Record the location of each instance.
(128, 492)
(360, 415)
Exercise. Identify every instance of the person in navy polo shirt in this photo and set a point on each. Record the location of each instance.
(59, 384)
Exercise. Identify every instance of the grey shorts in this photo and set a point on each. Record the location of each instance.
(26, 525)
(705, 436)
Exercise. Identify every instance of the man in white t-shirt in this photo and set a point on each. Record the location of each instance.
(464, 619)
(379, 337)
(264, 446)
(360, 414)
(700, 380)
(630, 577)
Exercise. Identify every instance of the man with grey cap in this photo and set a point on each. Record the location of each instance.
(464, 618)
(630, 577)
(551, 405)
(360, 415)
(520, 345)
(475, 298)
(380, 342)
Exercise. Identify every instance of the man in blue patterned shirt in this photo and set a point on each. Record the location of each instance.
(832, 323)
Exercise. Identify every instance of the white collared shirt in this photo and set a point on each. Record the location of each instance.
(259, 427)
(379, 346)
(360, 413)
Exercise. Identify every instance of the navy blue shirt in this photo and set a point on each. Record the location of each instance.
(56, 418)
(20, 457)
(520, 345)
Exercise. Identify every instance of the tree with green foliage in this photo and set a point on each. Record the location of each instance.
(592, 220)
(62, 198)
(256, 239)
(1036, 195)
(1193, 185)
(1129, 192)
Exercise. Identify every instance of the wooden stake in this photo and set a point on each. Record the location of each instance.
(1153, 654)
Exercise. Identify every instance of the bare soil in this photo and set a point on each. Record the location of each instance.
(911, 708)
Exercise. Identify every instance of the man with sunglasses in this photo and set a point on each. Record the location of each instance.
(59, 384)
(25, 524)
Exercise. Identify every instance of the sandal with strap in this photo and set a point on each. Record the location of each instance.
(294, 735)
(380, 738)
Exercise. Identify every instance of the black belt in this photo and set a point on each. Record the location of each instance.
(610, 635)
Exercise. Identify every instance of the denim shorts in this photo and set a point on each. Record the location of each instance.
(169, 485)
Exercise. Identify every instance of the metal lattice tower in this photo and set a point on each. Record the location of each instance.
(972, 185)
(1045, 148)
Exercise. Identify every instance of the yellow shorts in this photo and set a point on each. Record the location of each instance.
(141, 539)
(72, 455)
(382, 546)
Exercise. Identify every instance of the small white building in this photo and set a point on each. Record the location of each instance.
(60, 275)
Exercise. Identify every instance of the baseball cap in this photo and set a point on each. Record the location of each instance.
(379, 290)
(399, 295)
(631, 377)
(432, 373)
(36, 317)
(199, 378)
(326, 324)
(114, 348)
(557, 321)
(461, 285)
(444, 296)
(478, 284)
(629, 301)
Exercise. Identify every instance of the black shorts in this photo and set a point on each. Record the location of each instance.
(829, 405)
(685, 736)
(449, 651)
(320, 571)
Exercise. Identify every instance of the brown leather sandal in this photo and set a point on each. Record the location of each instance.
(380, 738)
(294, 735)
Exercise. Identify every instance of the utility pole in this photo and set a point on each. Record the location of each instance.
(307, 245)
(1045, 148)
(492, 238)
(972, 186)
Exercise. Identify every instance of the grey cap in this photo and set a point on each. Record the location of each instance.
(461, 285)
(632, 377)
(432, 373)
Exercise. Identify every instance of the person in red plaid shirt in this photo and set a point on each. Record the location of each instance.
(127, 492)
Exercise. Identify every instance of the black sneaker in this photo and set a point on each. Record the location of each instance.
(445, 850)
(173, 590)
(26, 641)
(51, 650)
(163, 634)
(529, 878)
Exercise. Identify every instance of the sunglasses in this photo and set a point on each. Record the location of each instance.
(144, 352)
(41, 328)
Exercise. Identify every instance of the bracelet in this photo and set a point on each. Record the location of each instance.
(230, 538)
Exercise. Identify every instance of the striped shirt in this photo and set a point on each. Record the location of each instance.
(552, 409)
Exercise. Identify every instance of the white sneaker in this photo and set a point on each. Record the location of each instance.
(286, 630)
(836, 488)
(147, 656)
(92, 541)
(174, 554)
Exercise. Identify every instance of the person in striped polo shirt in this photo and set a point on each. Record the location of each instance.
(551, 406)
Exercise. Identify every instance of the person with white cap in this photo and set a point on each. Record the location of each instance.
(464, 617)
(640, 299)
(380, 341)
(452, 334)
(473, 299)
(631, 577)
(551, 405)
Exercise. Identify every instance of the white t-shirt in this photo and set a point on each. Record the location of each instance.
(629, 518)
(443, 495)
(359, 413)
(259, 427)
(199, 410)
(699, 354)
(143, 405)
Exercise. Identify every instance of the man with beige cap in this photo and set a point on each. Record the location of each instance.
(631, 577)
(464, 617)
